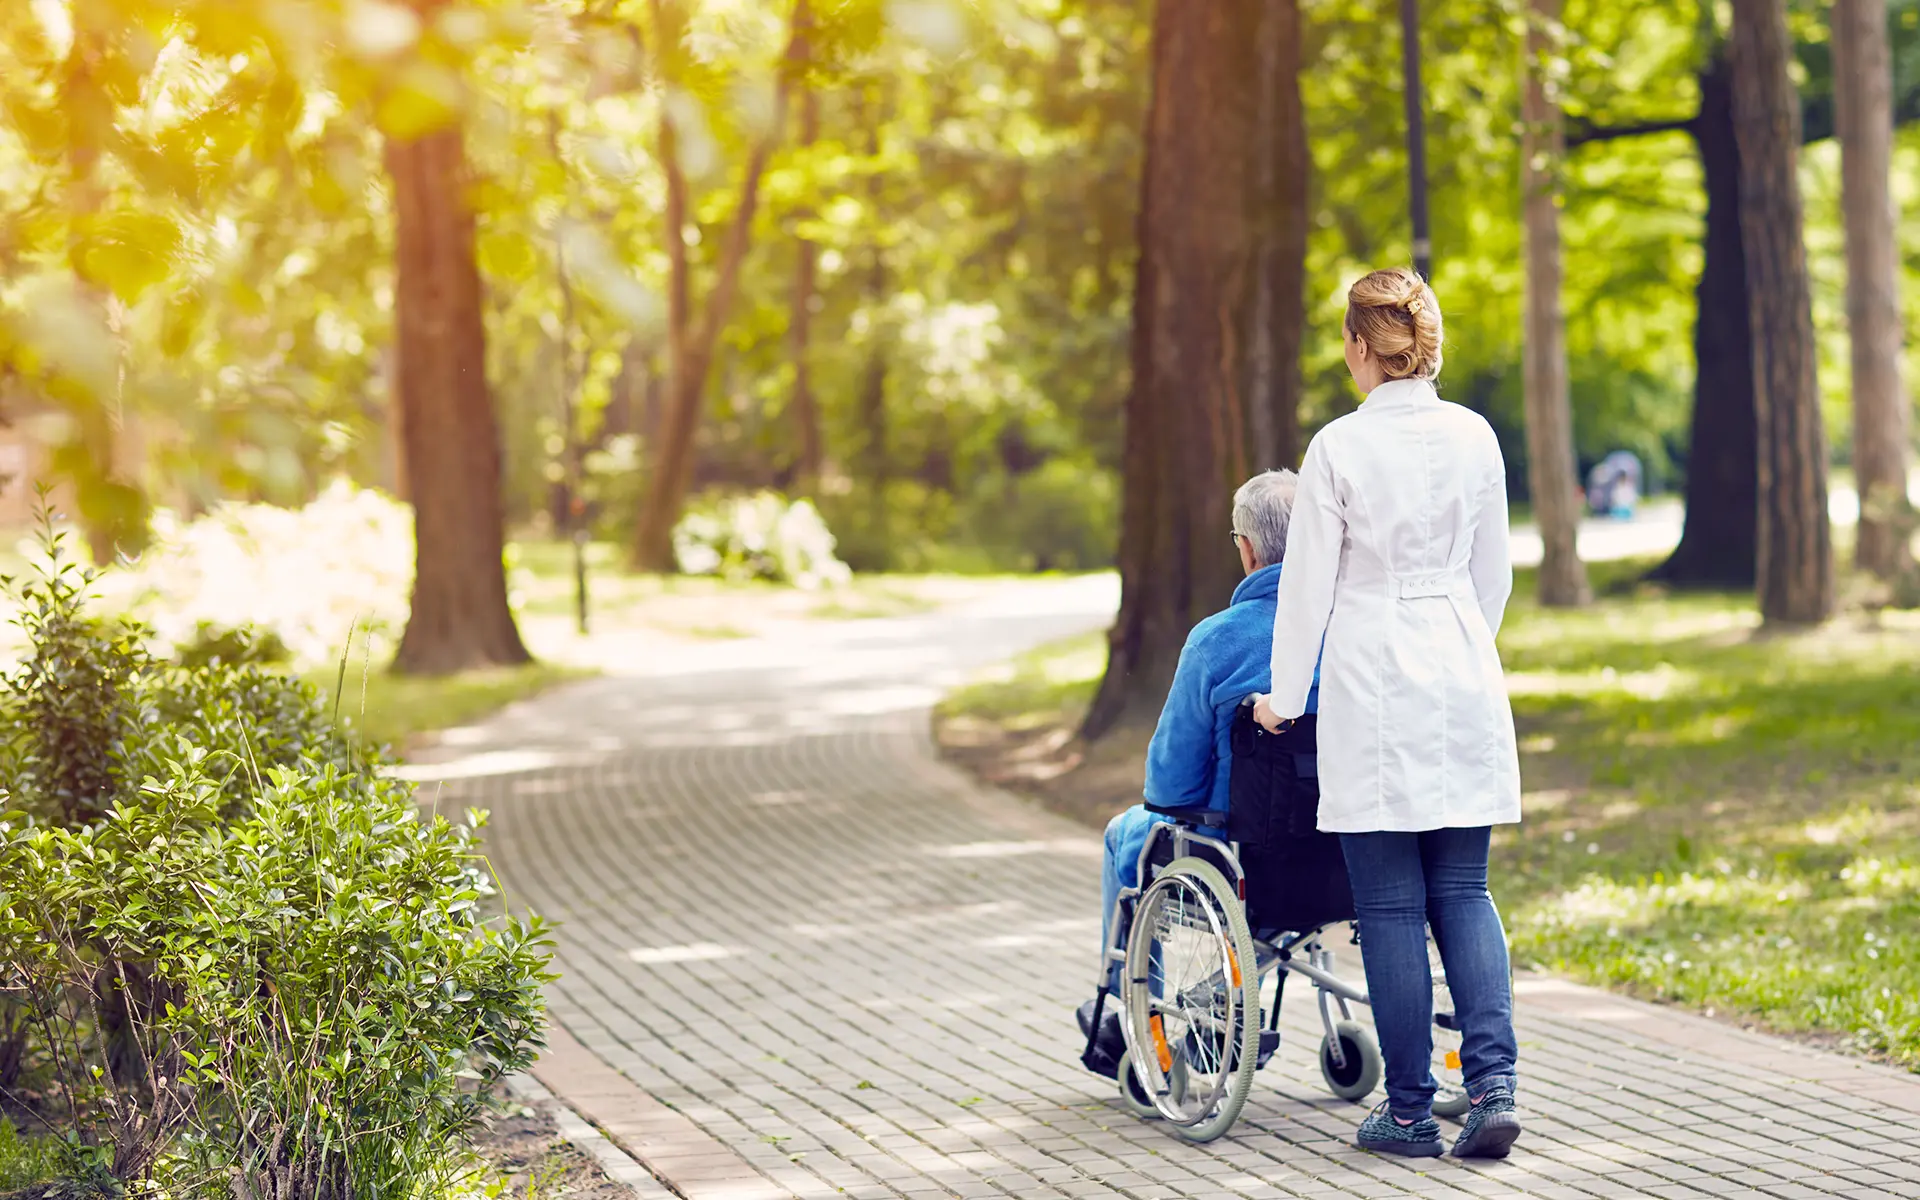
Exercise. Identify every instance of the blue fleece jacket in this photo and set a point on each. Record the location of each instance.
(1227, 658)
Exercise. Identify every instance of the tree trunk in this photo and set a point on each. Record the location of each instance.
(1863, 114)
(873, 386)
(111, 511)
(1552, 477)
(1720, 540)
(1199, 229)
(690, 348)
(1795, 563)
(873, 420)
(460, 617)
(1280, 315)
(806, 413)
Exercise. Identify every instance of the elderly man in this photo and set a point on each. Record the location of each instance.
(1225, 660)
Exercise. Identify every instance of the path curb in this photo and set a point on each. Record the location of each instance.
(620, 1166)
(679, 1157)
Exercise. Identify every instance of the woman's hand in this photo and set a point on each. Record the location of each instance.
(1263, 713)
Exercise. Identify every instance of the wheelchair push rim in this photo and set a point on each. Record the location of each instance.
(1192, 999)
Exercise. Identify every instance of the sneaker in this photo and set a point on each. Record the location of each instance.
(1383, 1133)
(1491, 1126)
(1110, 1045)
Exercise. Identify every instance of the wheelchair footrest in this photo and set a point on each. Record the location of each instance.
(1269, 1042)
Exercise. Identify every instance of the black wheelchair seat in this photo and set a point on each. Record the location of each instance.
(1296, 876)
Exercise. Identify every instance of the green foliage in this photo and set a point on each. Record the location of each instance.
(764, 536)
(24, 1160)
(89, 706)
(259, 582)
(73, 700)
(238, 961)
(237, 645)
(320, 980)
(1062, 516)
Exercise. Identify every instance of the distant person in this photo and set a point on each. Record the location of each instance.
(1398, 559)
(1224, 661)
(1613, 486)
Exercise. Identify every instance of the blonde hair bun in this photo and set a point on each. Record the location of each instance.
(1395, 313)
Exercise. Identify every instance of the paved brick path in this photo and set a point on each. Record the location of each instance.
(852, 967)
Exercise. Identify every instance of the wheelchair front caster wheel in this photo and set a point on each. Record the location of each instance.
(1450, 1102)
(1133, 1096)
(1359, 1070)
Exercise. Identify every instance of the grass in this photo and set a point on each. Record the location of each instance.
(1716, 816)
(1046, 687)
(393, 710)
(24, 1160)
(543, 577)
(1721, 817)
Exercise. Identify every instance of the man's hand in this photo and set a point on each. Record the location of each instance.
(1263, 713)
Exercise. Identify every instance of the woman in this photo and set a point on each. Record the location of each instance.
(1398, 559)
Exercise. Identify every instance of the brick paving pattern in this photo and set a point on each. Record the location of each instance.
(783, 919)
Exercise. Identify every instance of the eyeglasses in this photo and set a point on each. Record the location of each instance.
(1237, 535)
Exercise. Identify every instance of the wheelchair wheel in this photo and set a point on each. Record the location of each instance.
(1450, 1090)
(1192, 1013)
(1133, 1094)
(1360, 1066)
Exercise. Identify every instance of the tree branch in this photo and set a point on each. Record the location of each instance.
(1581, 131)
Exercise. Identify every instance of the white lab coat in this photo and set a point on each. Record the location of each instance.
(1397, 556)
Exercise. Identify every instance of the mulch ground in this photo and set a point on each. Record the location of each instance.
(526, 1149)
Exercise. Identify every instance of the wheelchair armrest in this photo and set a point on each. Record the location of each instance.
(1204, 817)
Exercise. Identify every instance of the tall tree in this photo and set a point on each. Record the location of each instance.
(1279, 316)
(691, 343)
(1719, 544)
(1552, 475)
(805, 408)
(1720, 540)
(1200, 222)
(1863, 115)
(449, 440)
(1795, 562)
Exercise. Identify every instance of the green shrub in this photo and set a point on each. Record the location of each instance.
(308, 575)
(74, 710)
(232, 644)
(321, 981)
(1062, 516)
(763, 536)
(247, 966)
(89, 703)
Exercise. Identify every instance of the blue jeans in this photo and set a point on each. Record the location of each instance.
(1119, 867)
(1402, 884)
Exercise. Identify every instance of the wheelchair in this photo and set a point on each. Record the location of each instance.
(1225, 902)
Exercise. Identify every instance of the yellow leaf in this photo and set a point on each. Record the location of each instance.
(181, 321)
(129, 252)
(508, 256)
(428, 99)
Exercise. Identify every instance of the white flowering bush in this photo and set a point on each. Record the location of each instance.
(305, 576)
(762, 536)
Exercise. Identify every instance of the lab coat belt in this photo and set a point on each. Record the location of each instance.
(1440, 583)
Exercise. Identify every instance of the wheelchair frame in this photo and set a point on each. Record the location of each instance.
(1295, 952)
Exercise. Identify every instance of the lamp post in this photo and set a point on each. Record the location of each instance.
(1416, 137)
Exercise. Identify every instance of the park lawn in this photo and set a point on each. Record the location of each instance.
(1715, 817)
(396, 710)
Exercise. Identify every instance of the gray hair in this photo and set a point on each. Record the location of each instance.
(1262, 510)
